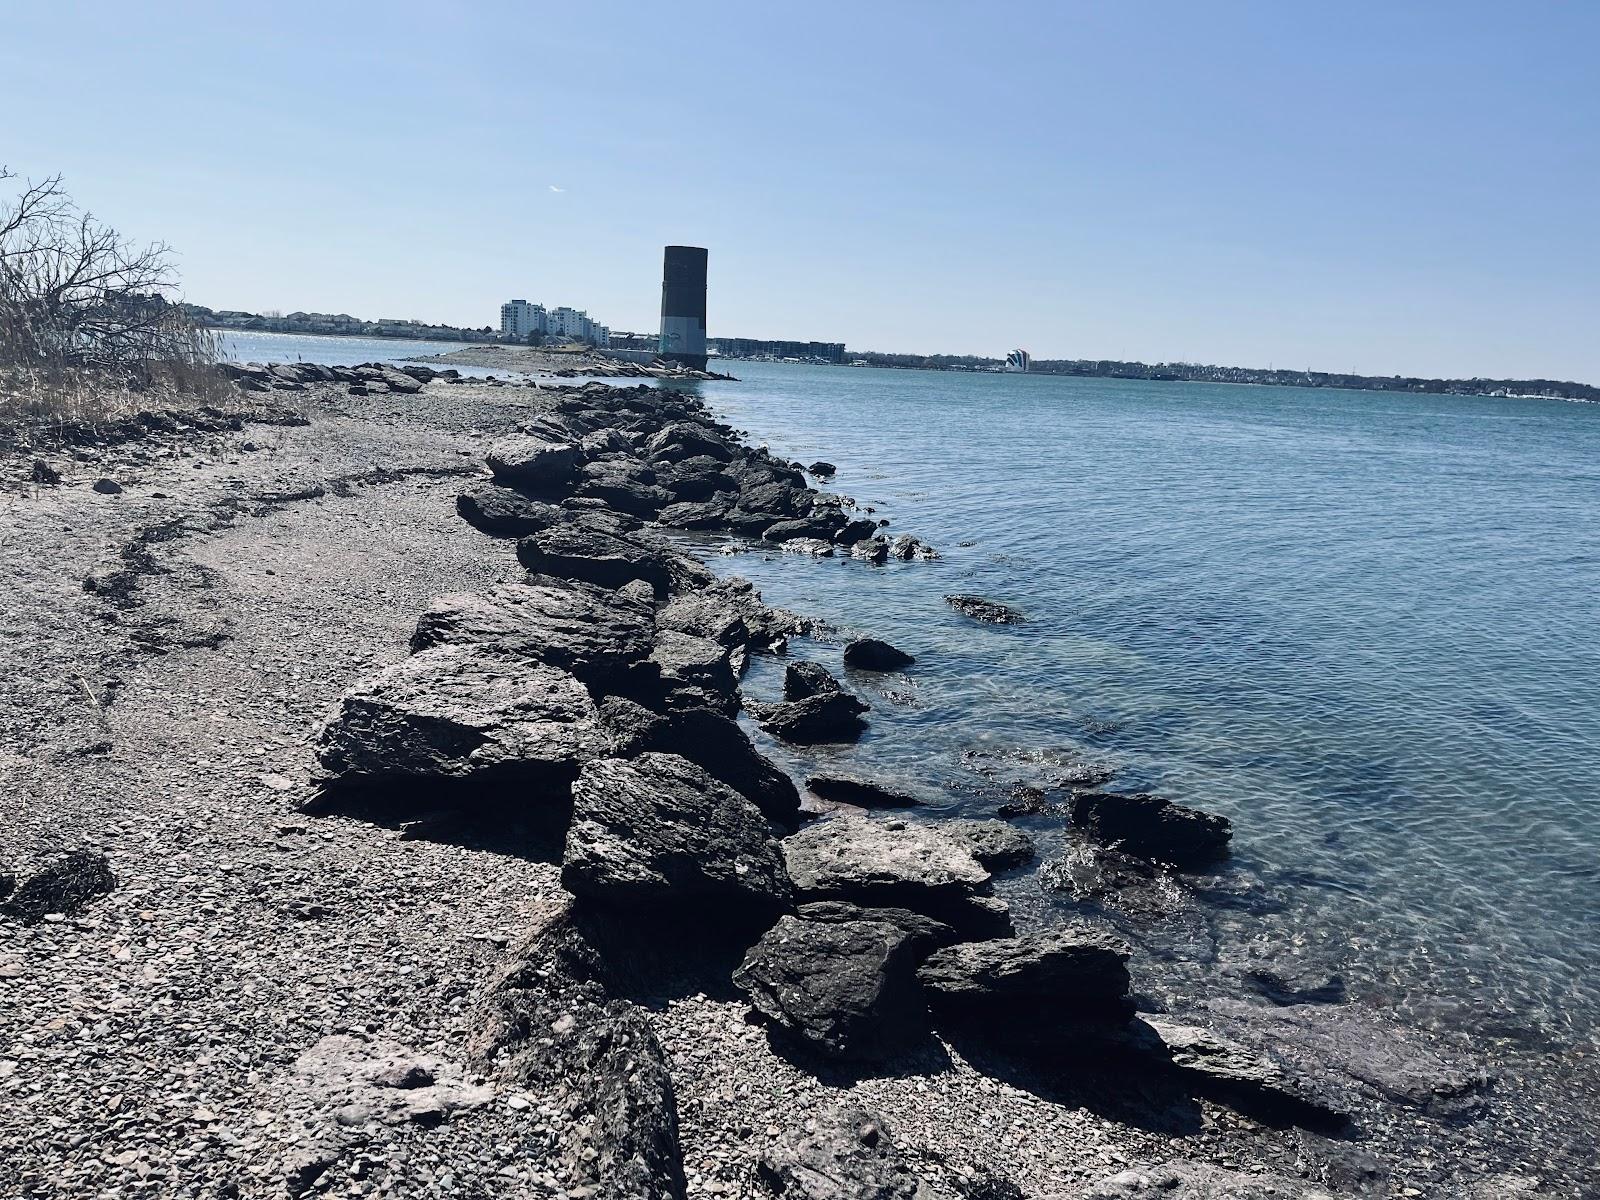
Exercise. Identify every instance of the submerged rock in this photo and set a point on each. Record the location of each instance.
(845, 1154)
(863, 793)
(990, 612)
(462, 713)
(657, 831)
(996, 845)
(870, 654)
(1150, 827)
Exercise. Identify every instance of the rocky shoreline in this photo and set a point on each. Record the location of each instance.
(706, 982)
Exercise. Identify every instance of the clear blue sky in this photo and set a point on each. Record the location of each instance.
(1384, 187)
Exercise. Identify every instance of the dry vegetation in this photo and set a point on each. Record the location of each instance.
(89, 326)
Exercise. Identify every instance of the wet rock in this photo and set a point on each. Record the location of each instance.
(534, 463)
(658, 831)
(844, 1154)
(606, 559)
(863, 793)
(1182, 1180)
(815, 547)
(845, 988)
(505, 512)
(64, 886)
(1231, 1070)
(464, 714)
(907, 547)
(823, 717)
(107, 487)
(814, 528)
(822, 470)
(870, 654)
(990, 612)
(996, 845)
(1026, 987)
(893, 863)
(1150, 827)
(577, 629)
(802, 679)
(852, 532)
(873, 550)
(711, 740)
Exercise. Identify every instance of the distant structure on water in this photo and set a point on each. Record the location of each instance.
(683, 306)
(1019, 361)
(821, 352)
(519, 319)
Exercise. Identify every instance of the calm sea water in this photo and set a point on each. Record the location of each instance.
(326, 349)
(1365, 627)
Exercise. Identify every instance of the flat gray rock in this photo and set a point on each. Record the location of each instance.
(535, 463)
(1200, 1181)
(1074, 971)
(844, 1154)
(995, 844)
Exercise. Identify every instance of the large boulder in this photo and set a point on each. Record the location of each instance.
(893, 863)
(697, 478)
(782, 500)
(996, 845)
(683, 440)
(821, 717)
(534, 463)
(628, 495)
(870, 654)
(844, 1154)
(708, 614)
(1151, 827)
(505, 512)
(816, 527)
(710, 739)
(659, 831)
(802, 679)
(845, 988)
(1029, 986)
(462, 714)
(711, 513)
(578, 629)
(694, 672)
(608, 560)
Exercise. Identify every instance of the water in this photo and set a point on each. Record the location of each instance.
(330, 350)
(1363, 626)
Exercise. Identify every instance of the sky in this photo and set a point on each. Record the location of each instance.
(1390, 187)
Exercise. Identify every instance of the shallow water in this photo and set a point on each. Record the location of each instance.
(1363, 626)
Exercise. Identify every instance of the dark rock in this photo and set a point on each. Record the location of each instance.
(1150, 827)
(45, 474)
(908, 547)
(697, 478)
(462, 714)
(1021, 987)
(578, 629)
(845, 1154)
(64, 886)
(1201, 1181)
(925, 933)
(694, 672)
(783, 500)
(846, 988)
(893, 863)
(855, 531)
(659, 831)
(703, 514)
(534, 463)
(682, 440)
(987, 611)
(1284, 989)
(825, 717)
(996, 845)
(820, 528)
(802, 679)
(711, 740)
(872, 550)
(107, 487)
(606, 559)
(863, 793)
(628, 495)
(505, 512)
(708, 614)
(596, 516)
(870, 654)
(822, 470)
(1228, 1069)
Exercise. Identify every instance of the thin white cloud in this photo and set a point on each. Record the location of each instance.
(554, 188)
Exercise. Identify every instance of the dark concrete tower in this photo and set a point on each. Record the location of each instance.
(683, 305)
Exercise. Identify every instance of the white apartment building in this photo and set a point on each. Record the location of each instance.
(518, 319)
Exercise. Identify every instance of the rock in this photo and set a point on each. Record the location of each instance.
(925, 932)
(694, 672)
(1150, 827)
(711, 740)
(704, 514)
(813, 528)
(802, 679)
(908, 547)
(845, 1154)
(845, 988)
(1230, 1070)
(505, 512)
(628, 495)
(708, 614)
(996, 845)
(1030, 988)
(371, 1080)
(822, 470)
(988, 611)
(65, 886)
(580, 630)
(534, 463)
(815, 547)
(682, 440)
(458, 714)
(695, 479)
(781, 500)
(824, 717)
(860, 530)
(608, 560)
(1182, 1180)
(107, 487)
(870, 654)
(44, 474)
(863, 793)
(658, 831)
(892, 863)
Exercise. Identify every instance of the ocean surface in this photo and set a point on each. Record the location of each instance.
(1363, 626)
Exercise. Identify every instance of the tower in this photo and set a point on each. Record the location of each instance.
(683, 305)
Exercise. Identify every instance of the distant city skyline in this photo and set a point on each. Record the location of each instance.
(1375, 188)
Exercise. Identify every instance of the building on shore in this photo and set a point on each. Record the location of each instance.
(1019, 361)
(520, 319)
(828, 352)
(683, 305)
